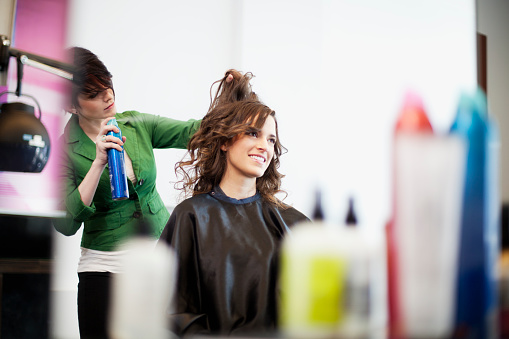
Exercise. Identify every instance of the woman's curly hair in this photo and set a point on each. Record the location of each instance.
(235, 110)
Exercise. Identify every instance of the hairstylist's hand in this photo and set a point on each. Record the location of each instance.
(104, 142)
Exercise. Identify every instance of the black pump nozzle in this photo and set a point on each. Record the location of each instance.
(318, 210)
(351, 218)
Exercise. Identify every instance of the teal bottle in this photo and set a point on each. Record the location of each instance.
(476, 298)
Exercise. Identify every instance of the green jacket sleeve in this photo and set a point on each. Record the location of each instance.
(76, 211)
(167, 132)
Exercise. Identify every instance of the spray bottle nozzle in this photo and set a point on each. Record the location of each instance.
(318, 210)
(351, 218)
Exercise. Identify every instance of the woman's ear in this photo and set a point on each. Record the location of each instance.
(224, 148)
(72, 110)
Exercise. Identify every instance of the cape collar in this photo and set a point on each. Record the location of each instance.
(218, 193)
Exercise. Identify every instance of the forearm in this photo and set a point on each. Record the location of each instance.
(89, 184)
(170, 133)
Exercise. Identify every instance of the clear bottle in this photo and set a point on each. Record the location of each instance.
(142, 295)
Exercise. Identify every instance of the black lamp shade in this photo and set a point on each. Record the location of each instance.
(24, 141)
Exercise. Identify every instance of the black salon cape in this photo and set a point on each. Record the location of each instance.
(228, 263)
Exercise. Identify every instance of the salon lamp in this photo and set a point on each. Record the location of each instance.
(24, 141)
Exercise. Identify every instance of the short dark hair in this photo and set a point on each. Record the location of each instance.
(90, 75)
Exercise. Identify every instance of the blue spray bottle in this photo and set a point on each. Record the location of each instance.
(116, 166)
(476, 285)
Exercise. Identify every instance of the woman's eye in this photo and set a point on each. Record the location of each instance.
(253, 134)
(93, 95)
(272, 141)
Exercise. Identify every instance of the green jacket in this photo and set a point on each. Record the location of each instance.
(108, 222)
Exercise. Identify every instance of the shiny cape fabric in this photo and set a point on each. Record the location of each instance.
(228, 263)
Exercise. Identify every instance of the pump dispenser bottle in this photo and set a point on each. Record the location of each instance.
(142, 294)
(428, 184)
(312, 276)
(479, 248)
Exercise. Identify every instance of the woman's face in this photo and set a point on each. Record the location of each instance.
(98, 105)
(250, 154)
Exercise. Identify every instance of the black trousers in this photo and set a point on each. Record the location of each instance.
(94, 304)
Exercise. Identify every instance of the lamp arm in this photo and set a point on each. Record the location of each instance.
(59, 68)
(42, 66)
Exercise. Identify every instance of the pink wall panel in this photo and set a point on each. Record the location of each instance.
(40, 28)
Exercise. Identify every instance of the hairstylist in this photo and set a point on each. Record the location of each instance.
(88, 198)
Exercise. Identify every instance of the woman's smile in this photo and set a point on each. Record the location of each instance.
(258, 158)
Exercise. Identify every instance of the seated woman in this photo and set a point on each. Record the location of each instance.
(227, 235)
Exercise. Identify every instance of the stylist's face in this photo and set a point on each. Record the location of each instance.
(97, 105)
(250, 155)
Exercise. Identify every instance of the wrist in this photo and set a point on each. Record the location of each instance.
(98, 165)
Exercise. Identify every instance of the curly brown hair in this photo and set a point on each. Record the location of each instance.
(235, 110)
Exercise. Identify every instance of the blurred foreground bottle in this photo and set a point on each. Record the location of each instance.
(142, 294)
(325, 281)
(424, 235)
(476, 308)
(412, 119)
(364, 302)
(312, 276)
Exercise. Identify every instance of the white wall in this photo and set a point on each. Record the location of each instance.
(334, 71)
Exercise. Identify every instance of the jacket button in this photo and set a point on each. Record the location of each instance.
(136, 214)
